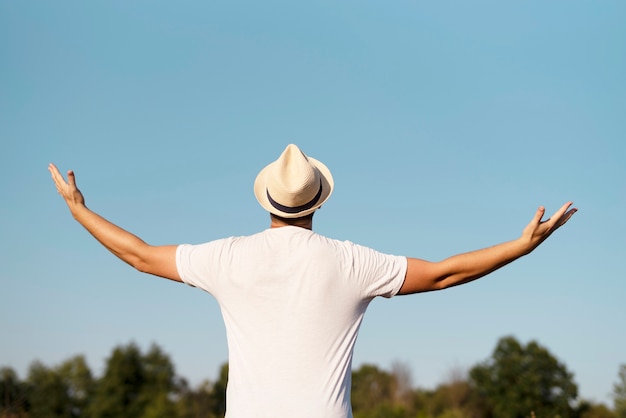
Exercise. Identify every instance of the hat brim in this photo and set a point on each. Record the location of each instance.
(260, 190)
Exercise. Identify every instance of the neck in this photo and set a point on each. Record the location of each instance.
(306, 223)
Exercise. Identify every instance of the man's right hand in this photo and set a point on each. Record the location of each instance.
(67, 189)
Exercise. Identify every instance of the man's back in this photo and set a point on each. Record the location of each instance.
(292, 302)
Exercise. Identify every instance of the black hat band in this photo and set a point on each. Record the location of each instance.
(289, 209)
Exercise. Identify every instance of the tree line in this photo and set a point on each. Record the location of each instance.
(517, 381)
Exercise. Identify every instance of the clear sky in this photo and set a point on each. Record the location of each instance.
(445, 124)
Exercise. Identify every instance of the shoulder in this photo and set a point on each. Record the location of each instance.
(216, 245)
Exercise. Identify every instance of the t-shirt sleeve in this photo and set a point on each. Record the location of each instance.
(379, 274)
(195, 265)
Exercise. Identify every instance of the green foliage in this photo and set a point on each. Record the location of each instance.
(160, 406)
(619, 393)
(593, 410)
(196, 403)
(455, 398)
(384, 410)
(62, 391)
(49, 396)
(370, 387)
(135, 385)
(519, 380)
(515, 382)
(13, 397)
(219, 392)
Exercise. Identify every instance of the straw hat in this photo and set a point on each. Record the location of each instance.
(295, 185)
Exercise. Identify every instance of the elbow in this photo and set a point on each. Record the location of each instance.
(137, 263)
(141, 265)
(440, 285)
(456, 280)
(138, 258)
(443, 283)
(132, 259)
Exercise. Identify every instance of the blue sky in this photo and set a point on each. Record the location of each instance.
(445, 124)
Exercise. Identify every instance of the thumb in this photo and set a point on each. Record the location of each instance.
(71, 178)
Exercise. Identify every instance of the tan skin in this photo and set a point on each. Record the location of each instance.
(305, 222)
(421, 275)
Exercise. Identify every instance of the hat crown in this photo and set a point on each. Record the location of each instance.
(292, 180)
(294, 185)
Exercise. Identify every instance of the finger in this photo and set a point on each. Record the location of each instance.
(54, 171)
(56, 174)
(559, 213)
(538, 215)
(567, 216)
(59, 181)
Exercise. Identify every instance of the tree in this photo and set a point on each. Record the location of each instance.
(208, 400)
(117, 391)
(520, 380)
(403, 384)
(380, 394)
(619, 393)
(13, 401)
(61, 391)
(135, 385)
(370, 388)
(160, 384)
(219, 392)
(79, 383)
(587, 409)
(48, 394)
(195, 402)
(454, 398)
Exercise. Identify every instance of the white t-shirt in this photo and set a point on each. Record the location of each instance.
(292, 303)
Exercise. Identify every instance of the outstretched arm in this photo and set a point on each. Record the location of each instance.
(156, 260)
(424, 276)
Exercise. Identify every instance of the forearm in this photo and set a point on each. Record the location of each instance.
(126, 246)
(464, 268)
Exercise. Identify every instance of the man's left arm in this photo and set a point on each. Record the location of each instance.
(155, 260)
(425, 276)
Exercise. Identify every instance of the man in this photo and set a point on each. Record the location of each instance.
(292, 300)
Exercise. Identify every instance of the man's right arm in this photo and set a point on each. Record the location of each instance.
(155, 260)
(424, 276)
